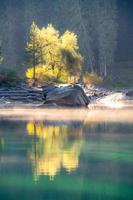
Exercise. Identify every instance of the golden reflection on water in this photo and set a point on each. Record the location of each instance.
(1, 145)
(52, 148)
(56, 147)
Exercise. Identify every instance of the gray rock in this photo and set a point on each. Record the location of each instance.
(129, 93)
(72, 96)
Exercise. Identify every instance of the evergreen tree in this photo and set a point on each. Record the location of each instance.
(74, 18)
(100, 19)
(33, 48)
(107, 33)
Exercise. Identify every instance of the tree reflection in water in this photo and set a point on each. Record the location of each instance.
(54, 147)
(1, 145)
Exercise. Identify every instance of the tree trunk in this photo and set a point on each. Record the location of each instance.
(34, 73)
(105, 70)
(34, 64)
(101, 70)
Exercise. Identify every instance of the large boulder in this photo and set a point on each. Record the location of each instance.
(72, 95)
(129, 93)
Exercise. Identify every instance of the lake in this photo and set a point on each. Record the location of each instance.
(66, 154)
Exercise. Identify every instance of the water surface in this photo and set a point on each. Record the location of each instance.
(58, 154)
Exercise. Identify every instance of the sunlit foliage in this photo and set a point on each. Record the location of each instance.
(69, 41)
(48, 51)
(51, 44)
(53, 150)
(46, 75)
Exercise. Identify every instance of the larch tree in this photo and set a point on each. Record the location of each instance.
(48, 50)
(50, 46)
(71, 58)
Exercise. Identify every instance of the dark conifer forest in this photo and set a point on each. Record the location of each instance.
(104, 29)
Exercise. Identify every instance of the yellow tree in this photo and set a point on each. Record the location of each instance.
(72, 59)
(51, 51)
(69, 41)
(54, 53)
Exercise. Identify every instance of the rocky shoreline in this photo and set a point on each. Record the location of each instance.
(60, 96)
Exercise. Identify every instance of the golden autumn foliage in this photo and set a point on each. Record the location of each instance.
(43, 74)
(58, 53)
(52, 150)
(69, 41)
(51, 46)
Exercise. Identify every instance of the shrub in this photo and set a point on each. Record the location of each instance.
(45, 74)
(9, 78)
(92, 78)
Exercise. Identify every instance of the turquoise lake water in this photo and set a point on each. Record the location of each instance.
(66, 160)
